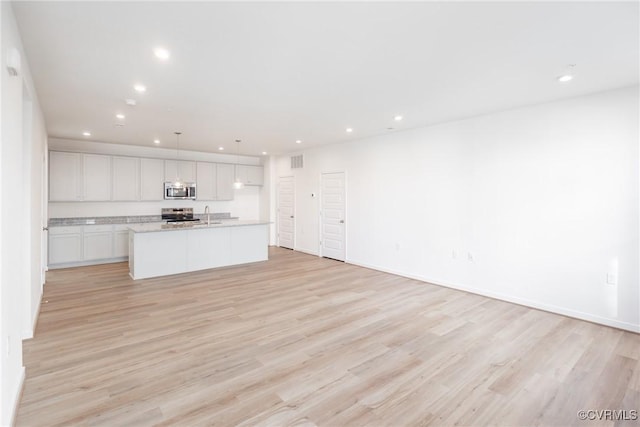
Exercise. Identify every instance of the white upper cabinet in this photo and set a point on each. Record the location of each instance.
(206, 181)
(151, 179)
(65, 176)
(125, 178)
(250, 175)
(96, 177)
(186, 170)
(255, 175)
(225, 177)
(75, 177)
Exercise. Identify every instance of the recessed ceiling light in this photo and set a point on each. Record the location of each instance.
(120, 116)
(264, 153)
(156, 141)
(221, 148)
(567, 73)
(298, 141)
(397, 118)
(86, 133)
(140, 88)
(349, 130)
(161, 53)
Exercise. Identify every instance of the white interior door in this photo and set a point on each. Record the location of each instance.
(332, 216)
(286, 215)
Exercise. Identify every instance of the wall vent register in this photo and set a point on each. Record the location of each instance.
(297, 162)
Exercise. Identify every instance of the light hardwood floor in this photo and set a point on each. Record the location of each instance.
(300, 340)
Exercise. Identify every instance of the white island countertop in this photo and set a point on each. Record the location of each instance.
(195, 225)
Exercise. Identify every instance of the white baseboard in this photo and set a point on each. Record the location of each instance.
(86, 263)
(513, 299)
(15, 400)
(28, 334)
(306, 251)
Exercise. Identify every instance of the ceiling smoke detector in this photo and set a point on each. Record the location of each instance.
(130, 102)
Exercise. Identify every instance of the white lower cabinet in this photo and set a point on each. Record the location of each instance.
(120, 240)
(97, 242)
(65, 245)
(87, 244)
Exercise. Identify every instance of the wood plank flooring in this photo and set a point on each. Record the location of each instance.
(304, 341)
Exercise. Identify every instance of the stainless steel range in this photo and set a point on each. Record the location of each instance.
(177, 215)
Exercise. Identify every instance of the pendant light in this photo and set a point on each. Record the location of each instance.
(178, 182)
(237, 184)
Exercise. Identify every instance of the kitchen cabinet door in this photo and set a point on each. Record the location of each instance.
(125, 178)
(96, 177)
(120, 241)
(254, 175)
(225, 176)
(186, 170)
(98, 242)
(250, 175)
(65, 177)
(206, 179)
(65, 245)
(151, 179)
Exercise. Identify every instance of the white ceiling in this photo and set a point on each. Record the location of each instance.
(271, 73)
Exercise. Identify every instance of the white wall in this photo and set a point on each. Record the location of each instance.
(545, 199)
(267, 197)
(22, 148)
(246, 203)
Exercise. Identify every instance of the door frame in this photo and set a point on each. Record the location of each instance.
(344, 172)
(293, 183)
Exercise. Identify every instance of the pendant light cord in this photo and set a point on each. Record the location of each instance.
(178, 157)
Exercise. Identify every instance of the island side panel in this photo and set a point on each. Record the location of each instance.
(208, 248)
(159, 254)
(249, 244)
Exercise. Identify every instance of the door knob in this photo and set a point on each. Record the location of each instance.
(291, 216)
(45, 228)
(342, 221)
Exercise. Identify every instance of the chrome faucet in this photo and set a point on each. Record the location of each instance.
(206, 212)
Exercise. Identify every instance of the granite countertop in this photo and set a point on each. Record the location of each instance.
(154, 227)
(136, 219)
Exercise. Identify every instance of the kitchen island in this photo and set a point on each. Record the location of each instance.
(162, 249)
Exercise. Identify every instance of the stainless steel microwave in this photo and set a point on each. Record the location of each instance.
(179, 190)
